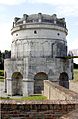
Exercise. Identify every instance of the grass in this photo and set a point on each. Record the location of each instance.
(1, 75)
(1, 72)
(1, 79)
(34, 97)
(37, 97)
(4, 98)
(75, 75)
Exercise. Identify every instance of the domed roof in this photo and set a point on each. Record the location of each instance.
(35, 18)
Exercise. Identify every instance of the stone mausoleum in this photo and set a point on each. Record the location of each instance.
(38, 53)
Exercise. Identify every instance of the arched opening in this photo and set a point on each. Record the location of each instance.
(64, 80)
(17, 83)
(39, 82)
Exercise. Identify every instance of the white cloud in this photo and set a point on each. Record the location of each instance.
(76, 60)
(68, 10)
(62, 7)
(73, 44)
(5, 37)
(11, 2)
(55, 2)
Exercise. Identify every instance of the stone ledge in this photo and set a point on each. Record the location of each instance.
(39, 102)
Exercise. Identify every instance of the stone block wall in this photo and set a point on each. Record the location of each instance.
(11, 109)
(55, 92)
(73, 86)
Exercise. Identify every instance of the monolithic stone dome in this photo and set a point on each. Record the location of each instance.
(44, 18)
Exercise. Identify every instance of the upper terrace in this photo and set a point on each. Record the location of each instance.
(39, 18)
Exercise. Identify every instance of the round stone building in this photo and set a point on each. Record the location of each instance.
(38, 53)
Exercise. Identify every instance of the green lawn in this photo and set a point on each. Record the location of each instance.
(4, 98)
(1, 79)
(1, 72)
(34, 97)
(1, 75)
(75, 75)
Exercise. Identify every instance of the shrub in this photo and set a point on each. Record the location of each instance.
(1, 72)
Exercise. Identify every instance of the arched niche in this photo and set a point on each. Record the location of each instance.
(17, 83)
(64, 80)
(39, 82)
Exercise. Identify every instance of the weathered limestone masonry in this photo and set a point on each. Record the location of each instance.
(55, 92)
(73, 86)
(11, 109)
(38, 53)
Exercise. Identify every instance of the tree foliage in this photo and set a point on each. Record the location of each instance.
(1, 60)
(4, 55)
(75, 66)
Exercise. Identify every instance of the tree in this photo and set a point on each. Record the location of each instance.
(4, 55)
(1, 60)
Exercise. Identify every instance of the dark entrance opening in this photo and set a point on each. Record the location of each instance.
(39, 82)
(17, 83)
(64, 80)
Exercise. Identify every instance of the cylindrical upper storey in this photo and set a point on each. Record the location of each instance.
(39, 21)
(37, 32)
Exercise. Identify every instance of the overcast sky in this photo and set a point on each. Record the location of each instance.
(63, 8)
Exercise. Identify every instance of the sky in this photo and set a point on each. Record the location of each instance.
(63, 8)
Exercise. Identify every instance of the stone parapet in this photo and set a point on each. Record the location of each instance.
(35, 109)
(20, 102)
(55, 92)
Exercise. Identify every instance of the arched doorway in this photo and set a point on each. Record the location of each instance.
(39, 82)
(64, 80)
(17, 83)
